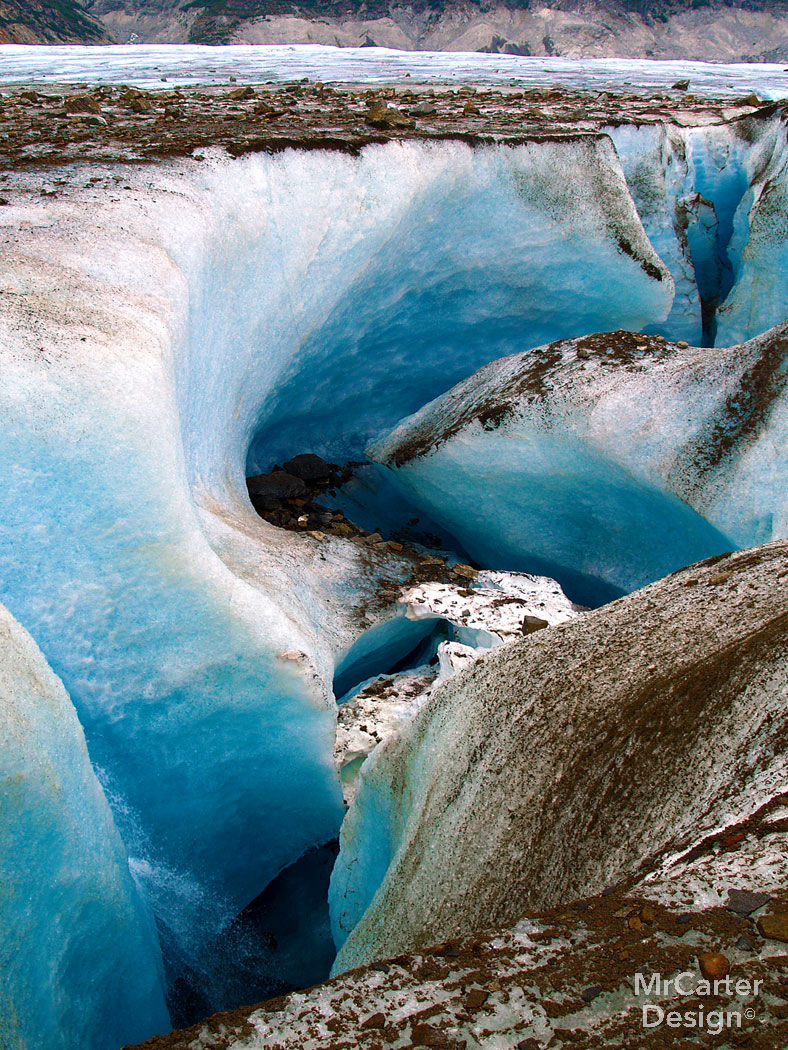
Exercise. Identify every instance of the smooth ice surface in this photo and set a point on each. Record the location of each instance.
(466, 255)
(80, 966)
(555, 504)
(144, 65)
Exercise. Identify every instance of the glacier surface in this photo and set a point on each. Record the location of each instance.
(144, 65)
(162, 338)
(80, 964)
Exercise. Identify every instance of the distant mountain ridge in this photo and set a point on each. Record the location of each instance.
(715, 30)
(41, 22)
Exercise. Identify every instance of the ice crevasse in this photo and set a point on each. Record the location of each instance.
(161, 338)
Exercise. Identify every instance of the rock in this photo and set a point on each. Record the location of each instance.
(428, 1035)
(309, 467)
(470, 109)
(424, 109)
(775, 926)
(647, 913)
(241, 94)
(680, 85)
(589, 994)
(750, 100)
(682, 344)
(382, 116)
(745, 902)
(713, 965)
(476, 998)
(744, 944)
(277, 485)
(377, 1020)
(467, 572)
(532, 624)
(81, 104)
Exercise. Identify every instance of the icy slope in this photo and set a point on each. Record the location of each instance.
(560, 763)
(608, 461)
(79, 958)
(149, 329)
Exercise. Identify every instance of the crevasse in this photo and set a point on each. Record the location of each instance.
(212, 319)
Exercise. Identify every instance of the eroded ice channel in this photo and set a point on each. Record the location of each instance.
(159, 342)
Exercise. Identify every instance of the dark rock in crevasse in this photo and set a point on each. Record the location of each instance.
(276, 485)
(310, 467)
(745, 902)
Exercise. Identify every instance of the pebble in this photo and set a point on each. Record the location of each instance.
(775, 926)
(713, 965)
(745, 902)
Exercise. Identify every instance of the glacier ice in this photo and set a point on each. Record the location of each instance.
(158, 341)
(605, 462)
(80, 964)
(143, 65)
(147, 335)
(713, 200)
(467, 254)
(553, 766)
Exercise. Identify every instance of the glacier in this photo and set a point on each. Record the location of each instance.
(80, 964)
(190, 64)
(575, 761)
(166, 332)
(149, 336)
(607, 461)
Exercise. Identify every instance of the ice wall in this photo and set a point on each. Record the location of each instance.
(464, 256)
(80, 964)
(553, 766)
(713, 202)
(605, 462)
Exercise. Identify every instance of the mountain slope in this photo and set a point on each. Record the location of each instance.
(40, 22)
(718, 30)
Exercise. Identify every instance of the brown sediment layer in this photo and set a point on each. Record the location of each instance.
(60, 125)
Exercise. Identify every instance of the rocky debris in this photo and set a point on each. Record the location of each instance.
(562, 977)
(497, 605)
(310, 467)
(774, 926)
(376, 713)
(745, 902)
(181, 122)
(269, 489)
(81, 104)
(289, 497)
(380, 115)
(488, 613)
